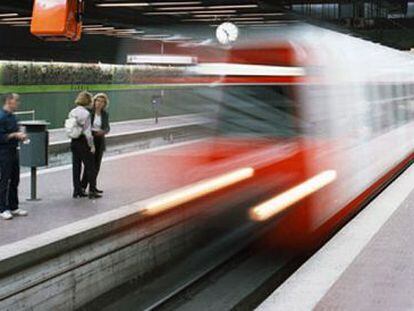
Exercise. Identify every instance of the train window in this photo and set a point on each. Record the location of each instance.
(262, 111)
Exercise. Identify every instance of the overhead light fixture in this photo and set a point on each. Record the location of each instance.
(175, 3)
(128, 31)
(8, 14)
(214, 12)
(262, 14)
(91, 26)
(166, 13)
(200, 19)
(190, 12)
(212, 7)
(178, 38)
(14, 23)
(156, 36)
(247, 18)
(211, 16)
(16, 19)
(181, 8)
(122, 4)
(214, 18)
(237, 6)
(99, 29)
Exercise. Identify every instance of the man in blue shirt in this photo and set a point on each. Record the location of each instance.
(9, 158)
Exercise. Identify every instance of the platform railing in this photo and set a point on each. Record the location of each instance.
(27, 112)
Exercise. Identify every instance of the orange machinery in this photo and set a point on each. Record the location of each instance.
(57, 20)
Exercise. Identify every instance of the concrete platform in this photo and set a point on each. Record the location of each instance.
(125, 179)
(368, 265)
(68, 252)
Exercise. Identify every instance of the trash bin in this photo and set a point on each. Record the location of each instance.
(34, 150)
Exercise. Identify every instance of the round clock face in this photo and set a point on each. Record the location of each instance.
(227, 33)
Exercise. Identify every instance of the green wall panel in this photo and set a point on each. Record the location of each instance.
(125, 104)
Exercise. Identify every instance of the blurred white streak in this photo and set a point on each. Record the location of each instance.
(288, 198)
(223, 69)
(197, 190)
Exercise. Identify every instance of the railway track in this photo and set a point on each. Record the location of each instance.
(233, 272)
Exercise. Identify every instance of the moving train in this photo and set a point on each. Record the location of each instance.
(310, 124)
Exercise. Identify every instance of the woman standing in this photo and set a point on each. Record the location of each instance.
(100, 127)
(83, 148)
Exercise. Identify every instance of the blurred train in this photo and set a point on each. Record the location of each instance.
(310, 125)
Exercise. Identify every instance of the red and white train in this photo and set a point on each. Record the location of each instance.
(310, 124)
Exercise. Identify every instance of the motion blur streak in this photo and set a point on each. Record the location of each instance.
(291, 196)
(223, 69)
(197, 190)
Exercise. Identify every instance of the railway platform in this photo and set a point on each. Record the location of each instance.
(366, 266)
(92, 241)
(143, 133)
(57, 208)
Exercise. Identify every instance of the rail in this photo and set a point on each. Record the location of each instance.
(27, 112)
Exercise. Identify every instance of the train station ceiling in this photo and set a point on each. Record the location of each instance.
(390, 22)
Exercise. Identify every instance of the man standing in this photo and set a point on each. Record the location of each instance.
(156, 102)
(9, 158)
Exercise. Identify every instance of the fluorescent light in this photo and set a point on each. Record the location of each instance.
(14, 23)
(166, 13)
(262, 14)
(178, 38)
(189, 12)
(182, 8)
(12, 19)
(122, 4)
(213, 7)
(174, 3)
(214, 18)
(214, 12)
(186, 194)
(239, 6)
(99, 29)
(131, 31)
(286, 199)
(91, 26)
(8, 14)
(246, 18)
(215, 15)
(156, 36)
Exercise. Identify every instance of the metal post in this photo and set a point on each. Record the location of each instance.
(33, 185)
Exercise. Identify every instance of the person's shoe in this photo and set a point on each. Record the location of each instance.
(19, 212)
(79, 195)
(94, 195)
(6, 215)
(98, 191)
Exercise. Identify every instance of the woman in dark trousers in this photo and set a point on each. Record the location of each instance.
(100, 127)
(83, 148)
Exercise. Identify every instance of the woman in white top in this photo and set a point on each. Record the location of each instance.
(83, 148)
(100, 127)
